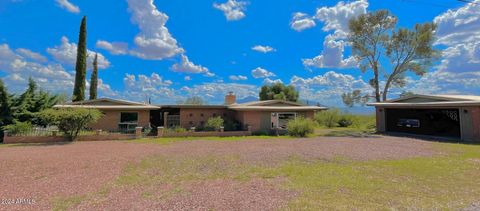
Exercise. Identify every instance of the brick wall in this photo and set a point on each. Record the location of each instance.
(194, 117)
(111, 119)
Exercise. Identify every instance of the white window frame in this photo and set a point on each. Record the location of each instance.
(277, 114)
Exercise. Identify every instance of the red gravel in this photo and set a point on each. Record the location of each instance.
(46, 172)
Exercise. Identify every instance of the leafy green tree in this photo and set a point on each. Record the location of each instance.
(195, 100)
(70, 121)
(214, 123)
(278, 91)
(5, 110)
(389, 52)
(81, 64)
(31, 102)
(94, 79)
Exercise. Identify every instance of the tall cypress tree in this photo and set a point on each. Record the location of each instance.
(94, 79)
(81, 65)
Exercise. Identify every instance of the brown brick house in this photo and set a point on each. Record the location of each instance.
(260, 116)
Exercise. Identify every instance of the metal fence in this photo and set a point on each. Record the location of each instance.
(53, 131)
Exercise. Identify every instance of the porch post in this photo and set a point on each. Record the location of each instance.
(138, 132)
(165, 117)
(159, 131)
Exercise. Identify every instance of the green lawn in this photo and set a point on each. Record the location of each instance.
(449, 181)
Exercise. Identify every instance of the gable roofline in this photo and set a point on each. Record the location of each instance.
(438, 97)
(124, 102)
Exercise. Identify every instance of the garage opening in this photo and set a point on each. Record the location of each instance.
(432, 122)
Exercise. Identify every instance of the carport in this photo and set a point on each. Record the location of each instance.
(448, 116)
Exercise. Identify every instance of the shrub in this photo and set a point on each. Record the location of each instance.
(328, 118)
(214, 123)
(70, 121)
(18, 128)
(300, 127)
(177, 129)
(346, 120)
(231, 125)
(146, 130)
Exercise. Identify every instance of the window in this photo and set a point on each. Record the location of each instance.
(201, 114)
(214, 114)
(128, 121)
(190, 115)
(280, 120)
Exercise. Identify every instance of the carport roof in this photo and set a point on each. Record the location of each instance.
(431, 101)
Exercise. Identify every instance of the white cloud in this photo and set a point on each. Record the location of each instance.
(331, 56)
(115, 48)
(270, 81)
(263, 48)
(262, 73)
(336, 18)
(140, 88)
(238, 77)
(457, 30)
(187, 78)
(65, 4)
(215, 92)
(186, 66)
(459, 25)
(154, 41)
(31, 55)
(49, 76)
(66, 54)
(301, 21)
(328, 88)
(233, 10)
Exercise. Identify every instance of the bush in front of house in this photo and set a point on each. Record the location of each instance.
(214, 124)
(346, 120)
(177, 129)
(232, 125)
(70, 121)
(300, 127)
(18, 128)
(328, 118)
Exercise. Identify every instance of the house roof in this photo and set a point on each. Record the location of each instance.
(108, 104)
(273, 105)
(431, 101)
(267, 105)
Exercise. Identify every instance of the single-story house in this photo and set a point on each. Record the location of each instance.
(260, 116)
(450, 116)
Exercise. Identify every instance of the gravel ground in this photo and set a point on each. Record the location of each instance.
(44, 173)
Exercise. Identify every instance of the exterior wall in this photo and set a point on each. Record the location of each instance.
(470, 123)
(380, 119)
(111, 119)
(260, 121)
(192, 117)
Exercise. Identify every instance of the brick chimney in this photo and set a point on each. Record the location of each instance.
(230, 98)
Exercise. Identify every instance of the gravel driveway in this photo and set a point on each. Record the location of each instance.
(45, 173)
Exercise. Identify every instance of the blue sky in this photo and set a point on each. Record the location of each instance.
(169, 50)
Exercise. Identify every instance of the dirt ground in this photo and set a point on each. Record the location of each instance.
(49, 172)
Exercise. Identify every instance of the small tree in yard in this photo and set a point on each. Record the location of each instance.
(300, 127)
(328, 118)
(214, 123)
(70, 121)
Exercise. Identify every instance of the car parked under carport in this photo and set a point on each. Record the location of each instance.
(448, 116)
